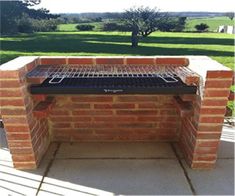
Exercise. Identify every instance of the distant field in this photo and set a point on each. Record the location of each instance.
(72, 27)
(212, 22)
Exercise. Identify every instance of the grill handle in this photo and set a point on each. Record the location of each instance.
(56, 80)
(169, 81)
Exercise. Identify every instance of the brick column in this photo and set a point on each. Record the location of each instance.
(200, 136)
(28, 137)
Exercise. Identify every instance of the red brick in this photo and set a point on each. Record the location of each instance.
(17, 128)
(208, 135)
(15, 120)
(61, 125)
(18, 136)
(23, 157)
(20, 144)
(206, 150)
(139, 61)
(214, 102)
(21, 150)
(167, 112)
(147, 105)
(203, 165)
(31, 66)
(80, 61)
(13, 111)
(219, 111)
(114, 106)
(204, 157)
(172, 61)
(207, 143)
(218, 83)
(136, 125)
(188, 97)
(17, 92)
(92, 112)
(109, 61)
(114, 118)
(209, 128)
(92, 99)
(192, 80)
(56, 112)
(39, 97)
(137, 112)
(216, 93)
(211, 119)
(25, 165)
(53, 61)
(10, 84)
(9, 74)
(219, 74)
(12, 102)
(132, 98)
(94, 125)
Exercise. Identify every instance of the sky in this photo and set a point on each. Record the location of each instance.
(80, 6)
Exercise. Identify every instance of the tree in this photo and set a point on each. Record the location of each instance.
(13, 11)
(173, 24)
(142, 22)
(201, 27)
(230, 15)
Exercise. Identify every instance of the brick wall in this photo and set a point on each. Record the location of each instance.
(114, 118)
(27, 136)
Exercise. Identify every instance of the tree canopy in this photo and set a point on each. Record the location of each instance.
(143, 21)
(12, 11)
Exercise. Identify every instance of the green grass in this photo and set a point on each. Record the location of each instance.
(218, 46)
(212, 22)
(72, 27)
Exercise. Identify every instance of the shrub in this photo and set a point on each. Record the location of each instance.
(201, 27)
(85, 27)
(112, 26)
(44, 25)
(173, 25)
(24, 24)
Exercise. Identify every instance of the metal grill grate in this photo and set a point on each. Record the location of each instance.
(111, 79)
(57, 73)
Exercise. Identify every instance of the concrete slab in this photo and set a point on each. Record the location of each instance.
(101, 177)
(3, 140)
(218, 181)
(226, 150)
(19, 182)
(115, 150)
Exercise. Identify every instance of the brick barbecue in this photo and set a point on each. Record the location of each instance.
(35, 112)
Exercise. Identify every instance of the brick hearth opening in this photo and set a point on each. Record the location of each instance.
(194, 121)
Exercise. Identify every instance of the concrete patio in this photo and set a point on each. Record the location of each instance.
(118, 169)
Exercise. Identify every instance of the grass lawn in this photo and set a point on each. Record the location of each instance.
(218, 46)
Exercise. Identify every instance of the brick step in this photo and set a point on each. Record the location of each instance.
(43, 108)
(184, 108)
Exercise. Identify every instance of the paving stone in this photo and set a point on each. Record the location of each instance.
(101, 177)
(218, 181)
(226, 150)
(116, 150)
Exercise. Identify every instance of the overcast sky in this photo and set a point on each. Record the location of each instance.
(79, 6)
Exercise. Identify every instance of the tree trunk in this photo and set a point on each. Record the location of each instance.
(134, 39)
